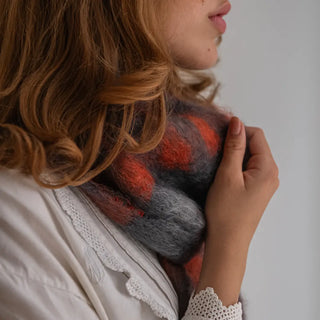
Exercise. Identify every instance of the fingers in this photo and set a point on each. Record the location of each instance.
(257, 141)
(234, 147)
(261, 158)
(261, 155)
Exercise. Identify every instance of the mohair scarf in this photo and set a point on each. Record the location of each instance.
(159, 197)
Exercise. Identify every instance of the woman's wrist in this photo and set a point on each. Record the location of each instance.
(230, 240)
(223, 269)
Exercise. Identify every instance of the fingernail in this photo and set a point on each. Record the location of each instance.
(236, 127)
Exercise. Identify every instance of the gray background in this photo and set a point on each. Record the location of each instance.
(270, 75)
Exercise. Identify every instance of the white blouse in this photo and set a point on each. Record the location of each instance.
(61, 258)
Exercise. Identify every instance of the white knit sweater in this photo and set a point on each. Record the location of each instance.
(62, 259)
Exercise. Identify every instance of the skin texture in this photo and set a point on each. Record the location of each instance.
(190, 33)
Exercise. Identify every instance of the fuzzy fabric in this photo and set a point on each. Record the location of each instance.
(159, 197)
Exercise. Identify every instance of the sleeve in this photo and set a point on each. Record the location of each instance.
(24, 298)
(206, 305)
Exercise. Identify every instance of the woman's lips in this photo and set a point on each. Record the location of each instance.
(223, 10)
(217, 17)
(219, 23)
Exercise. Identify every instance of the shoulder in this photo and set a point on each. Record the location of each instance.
(36, 281)
(28, 212)
(26, 209)
(21, 195)
(32, 243)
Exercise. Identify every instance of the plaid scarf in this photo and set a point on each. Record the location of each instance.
(159, 197)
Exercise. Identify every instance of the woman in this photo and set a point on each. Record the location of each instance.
(115, 170)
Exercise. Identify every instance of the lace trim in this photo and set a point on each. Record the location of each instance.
(207, 305)
(133, 284)
(126, 245)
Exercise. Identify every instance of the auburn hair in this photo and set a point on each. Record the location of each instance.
(71, 70)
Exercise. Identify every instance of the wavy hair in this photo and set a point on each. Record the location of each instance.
(72, 70)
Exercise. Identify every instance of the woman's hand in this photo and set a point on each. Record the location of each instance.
(234, 206)
(237, 199)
